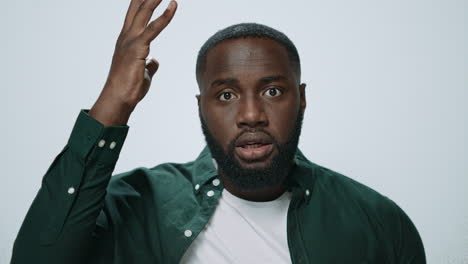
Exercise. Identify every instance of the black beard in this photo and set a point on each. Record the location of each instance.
(274, 174)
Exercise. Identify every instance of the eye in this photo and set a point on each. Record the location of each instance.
(226, 96)
(273, 92)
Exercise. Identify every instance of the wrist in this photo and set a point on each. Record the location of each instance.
(111, 113)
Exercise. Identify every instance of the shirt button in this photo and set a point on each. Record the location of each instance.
(216, 182)
(188, 233)
(307, 192)
(210, 193)
(112, 145)
(101, 143)
(71, 190)
(197, 187)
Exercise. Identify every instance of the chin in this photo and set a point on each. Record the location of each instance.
(260, 165)
(256, 164)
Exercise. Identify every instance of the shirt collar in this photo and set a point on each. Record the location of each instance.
(301, 181)
(204, 168)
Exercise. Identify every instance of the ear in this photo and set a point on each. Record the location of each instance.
(302, 94)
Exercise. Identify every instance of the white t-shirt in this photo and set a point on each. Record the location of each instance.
(242, 231)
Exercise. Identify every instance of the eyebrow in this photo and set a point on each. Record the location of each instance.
(264, 80)
(275, 78)
(224, 81)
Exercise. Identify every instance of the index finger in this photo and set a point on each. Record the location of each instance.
(155, 27)
(132, 10)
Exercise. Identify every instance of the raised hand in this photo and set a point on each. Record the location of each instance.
(130, 74)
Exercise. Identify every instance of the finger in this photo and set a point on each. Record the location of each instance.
(152, 66)
(156, 26)
(132, 10)
(143, 15)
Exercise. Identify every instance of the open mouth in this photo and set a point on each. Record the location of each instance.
(253, 152)
(254, 146)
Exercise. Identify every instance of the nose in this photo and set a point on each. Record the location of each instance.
(251, 113)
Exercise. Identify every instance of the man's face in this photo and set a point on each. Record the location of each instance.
(251, 106)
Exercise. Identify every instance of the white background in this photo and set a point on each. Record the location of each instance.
(387, 96)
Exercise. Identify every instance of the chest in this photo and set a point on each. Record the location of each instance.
(243, 232)
(314, 232)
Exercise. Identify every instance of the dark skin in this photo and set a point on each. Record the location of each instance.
(250, 83)
(131, 72)
(254, 68)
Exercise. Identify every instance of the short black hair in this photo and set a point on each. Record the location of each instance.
(244, 30)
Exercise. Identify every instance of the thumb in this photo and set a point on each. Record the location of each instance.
(152, 66)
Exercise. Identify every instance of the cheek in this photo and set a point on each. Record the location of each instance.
(282, 119)
(221, 123)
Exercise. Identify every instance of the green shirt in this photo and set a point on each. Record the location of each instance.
(83, 215)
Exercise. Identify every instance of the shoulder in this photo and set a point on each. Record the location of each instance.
(161, 180)
(336, 190)
(362, 193)
(381, 212)
(345, 190)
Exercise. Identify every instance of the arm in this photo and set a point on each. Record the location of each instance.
(407, 242)
(62, 217)
(410, 249)
(59, 224)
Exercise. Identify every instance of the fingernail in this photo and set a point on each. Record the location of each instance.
(171, 5)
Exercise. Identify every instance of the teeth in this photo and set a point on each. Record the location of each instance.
(252, 146)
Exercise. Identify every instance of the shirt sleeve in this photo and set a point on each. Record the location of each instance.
(409, 244)
(59, 224)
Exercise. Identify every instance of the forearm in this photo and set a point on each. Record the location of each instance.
(59, 224)
(109, 110)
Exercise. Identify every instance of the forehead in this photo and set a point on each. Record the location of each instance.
(247, 58)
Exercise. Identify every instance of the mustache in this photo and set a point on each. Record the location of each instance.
(251, 179)
(232, 143)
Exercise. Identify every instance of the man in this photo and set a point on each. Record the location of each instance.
(250, 197)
